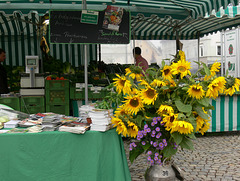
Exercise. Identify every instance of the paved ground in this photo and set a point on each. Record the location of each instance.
(216, 157)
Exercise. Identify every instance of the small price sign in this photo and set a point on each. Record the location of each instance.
(89, 17)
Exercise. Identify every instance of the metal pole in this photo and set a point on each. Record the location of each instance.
(84, 5)
(222, 52)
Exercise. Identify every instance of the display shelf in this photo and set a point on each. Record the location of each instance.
(57, 84)
(58, 108)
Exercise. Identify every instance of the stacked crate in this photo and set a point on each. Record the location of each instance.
(12, 102)
(33, 104)
(57, 96)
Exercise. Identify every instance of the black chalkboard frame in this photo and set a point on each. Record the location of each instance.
(89, 35)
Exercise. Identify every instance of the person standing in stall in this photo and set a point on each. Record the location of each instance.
(3, 74)
(139, 60)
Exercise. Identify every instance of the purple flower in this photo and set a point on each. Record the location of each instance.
(159, 135)
(130, 148)
(155, 158)
(152, 123)
(159, 162)
(149, 152)
(134, 144)
(155, 144)
(145, 126)
(161, 146)
(162, 123)
(156, 154)
(149, 158)
(165, 144)
(164, 141)
(151, 142)
(157, 129)
(153, 135)
(152, 162)
(138, 138)
(153, 132)
(148, 130)
(143, 143)
(154, 119)
(159, 118)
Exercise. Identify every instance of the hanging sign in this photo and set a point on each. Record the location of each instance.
(230, 52)
(90, 17)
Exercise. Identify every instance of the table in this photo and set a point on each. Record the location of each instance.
(63, 156)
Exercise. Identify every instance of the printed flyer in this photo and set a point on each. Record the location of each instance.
(112, 18)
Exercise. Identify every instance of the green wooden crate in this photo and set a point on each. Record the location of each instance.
(58, 109)
(32, 104)
(12, 102)
(56, 84)
(57, 96)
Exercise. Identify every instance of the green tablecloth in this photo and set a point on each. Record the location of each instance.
(62, 156)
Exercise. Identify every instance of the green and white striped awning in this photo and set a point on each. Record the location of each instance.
(20, 21)
(156, 28)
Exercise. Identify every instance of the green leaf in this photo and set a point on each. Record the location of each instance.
(204, 101)
(177, 137)
(206, 69)
(200, 112)
(169, 151)
(183, 107)
(139, 121)
(181, 116)
(146, 146)
(187, 144)
(134, 154)
(192, 136)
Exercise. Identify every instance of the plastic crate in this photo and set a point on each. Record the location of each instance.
(33, 104)
(12, 102)
(58, 109)
(56, 84)
(57, 96)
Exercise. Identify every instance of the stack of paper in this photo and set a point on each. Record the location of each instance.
(101, 119)
(11, 124)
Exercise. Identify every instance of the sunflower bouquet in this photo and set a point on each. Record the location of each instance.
(164, 108)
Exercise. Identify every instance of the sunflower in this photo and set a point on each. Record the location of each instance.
(196, 91)
(182, 127)
(215, 87)
(132, 129)
(214, 68)
(133, 104)
(148, 95)
(158, 83)
(121, 128)
(120, 111)
(182, 67)
(235, 87)
(200, 121)
(167, 72)
(204, 128)
(165, 109)
(133, 75)
(169, 120)
(182, 55)
(143, 82)
(122, 84)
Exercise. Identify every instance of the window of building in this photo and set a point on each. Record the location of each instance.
(201, 51)
(218, 50)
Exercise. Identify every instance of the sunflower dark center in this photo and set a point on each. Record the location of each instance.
(182, 69)
(166, 72)
(150, 93)
(134, 102)
(196, 89)
(122, 82)
(171, 119)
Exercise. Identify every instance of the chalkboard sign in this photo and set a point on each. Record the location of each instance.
(66, 27)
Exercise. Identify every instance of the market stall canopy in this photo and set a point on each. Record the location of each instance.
(21, 23)
(168, 28)
(179, 9)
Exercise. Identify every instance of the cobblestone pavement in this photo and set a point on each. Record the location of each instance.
(215, 157)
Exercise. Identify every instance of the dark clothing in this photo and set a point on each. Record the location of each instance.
(3, 80)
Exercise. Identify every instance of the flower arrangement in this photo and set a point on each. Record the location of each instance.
(164, 108)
